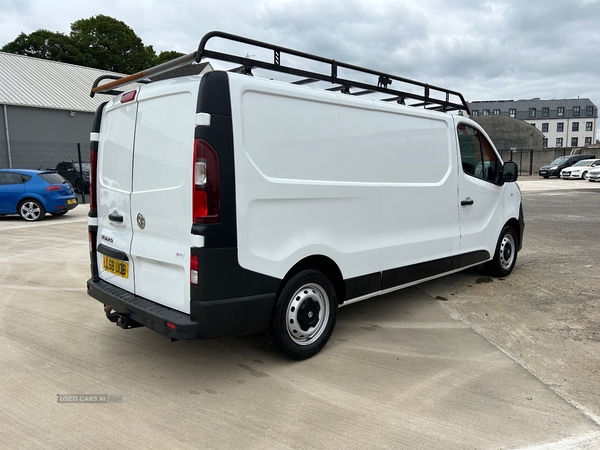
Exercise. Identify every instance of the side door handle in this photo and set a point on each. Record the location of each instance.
(466, 202)
(115, 217)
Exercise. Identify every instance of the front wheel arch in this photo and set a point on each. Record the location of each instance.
(505, 253)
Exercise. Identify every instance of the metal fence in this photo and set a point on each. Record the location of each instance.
(41, 155)
(530, 160)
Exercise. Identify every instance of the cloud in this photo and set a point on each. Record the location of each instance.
(499, 49)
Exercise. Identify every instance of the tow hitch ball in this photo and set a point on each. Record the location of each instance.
(121, 320)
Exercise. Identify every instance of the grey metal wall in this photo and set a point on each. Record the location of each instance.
(40, 138)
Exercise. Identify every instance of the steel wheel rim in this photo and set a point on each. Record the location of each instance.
(307, 314)
(507, 251)
(30, 210)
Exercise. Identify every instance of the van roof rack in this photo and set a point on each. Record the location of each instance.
(429, 97)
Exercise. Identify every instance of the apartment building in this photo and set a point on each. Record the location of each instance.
(564, 123)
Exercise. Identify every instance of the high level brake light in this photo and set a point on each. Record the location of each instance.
(206, 195)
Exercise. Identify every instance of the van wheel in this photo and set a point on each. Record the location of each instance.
(505, 257)
(305, 315)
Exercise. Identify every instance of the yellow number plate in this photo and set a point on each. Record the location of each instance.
(71, 201)
(115, 266)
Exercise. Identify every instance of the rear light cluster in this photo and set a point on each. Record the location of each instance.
(93, 168)
(54, 188)
(206, 195)
(194, 270)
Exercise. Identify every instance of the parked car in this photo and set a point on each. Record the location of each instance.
(553, 169)
(580, 169)
(70, 171)
(33, 193)
(593, 174)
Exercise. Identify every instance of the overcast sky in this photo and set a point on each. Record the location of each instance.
(487, 50)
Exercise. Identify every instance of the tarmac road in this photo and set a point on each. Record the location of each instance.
(462, 362)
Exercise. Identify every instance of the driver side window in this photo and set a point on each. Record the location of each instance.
(477, 156)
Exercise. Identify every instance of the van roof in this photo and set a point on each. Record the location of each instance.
(345, 78)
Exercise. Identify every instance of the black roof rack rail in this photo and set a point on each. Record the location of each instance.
(450, 101)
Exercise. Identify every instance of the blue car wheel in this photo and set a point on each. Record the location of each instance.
(31, 210)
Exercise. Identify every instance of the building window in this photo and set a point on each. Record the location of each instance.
(559, 142)
(496, 112)
(561, 111)
(574, 142)
(576, 110)
(545, 142)
(589, 110)
(532, 112)
(588, 126)
(545, 112)
(588, 141)
(486, 112)
(544, 128)
(512, 113)
(475, 113)
(560, 127)
(575, 126)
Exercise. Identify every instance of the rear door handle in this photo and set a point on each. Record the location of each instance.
(115, 217)
(467, 201)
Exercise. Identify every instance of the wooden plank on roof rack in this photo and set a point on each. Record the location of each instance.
(156, 70)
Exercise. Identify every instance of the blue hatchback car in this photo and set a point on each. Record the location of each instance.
(33, 193)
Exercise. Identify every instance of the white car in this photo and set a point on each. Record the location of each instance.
(594, 174)
(580, 169)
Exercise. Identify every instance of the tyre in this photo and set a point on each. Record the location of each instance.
(31, 210)
(546, 176)
(584, 175)
(505, 256)
(77, 186)
(304, 316)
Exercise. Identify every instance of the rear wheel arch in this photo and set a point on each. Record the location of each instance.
(323, 264)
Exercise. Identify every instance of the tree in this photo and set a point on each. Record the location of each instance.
(166, 56)
(110, 44)
(46, 45)
(100, 42)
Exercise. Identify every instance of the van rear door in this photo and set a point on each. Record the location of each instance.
(161, 198)
(115, 157)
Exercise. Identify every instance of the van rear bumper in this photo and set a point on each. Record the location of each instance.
(209, 319)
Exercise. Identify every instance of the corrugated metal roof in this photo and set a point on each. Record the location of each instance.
(41, 83)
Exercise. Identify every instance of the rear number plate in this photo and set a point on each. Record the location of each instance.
(115, 266)
(71, 201)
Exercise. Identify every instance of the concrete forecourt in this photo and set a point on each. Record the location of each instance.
(465, 361)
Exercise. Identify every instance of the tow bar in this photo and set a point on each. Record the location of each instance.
(121, 320)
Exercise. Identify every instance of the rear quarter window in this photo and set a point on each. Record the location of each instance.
(52, 178)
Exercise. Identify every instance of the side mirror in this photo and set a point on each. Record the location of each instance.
(510, 172)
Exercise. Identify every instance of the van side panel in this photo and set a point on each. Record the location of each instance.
(419, 208)
(305, 184)
(162, 190)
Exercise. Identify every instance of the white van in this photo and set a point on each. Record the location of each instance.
(227, 204)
